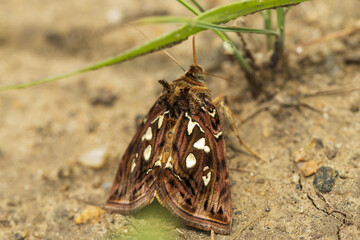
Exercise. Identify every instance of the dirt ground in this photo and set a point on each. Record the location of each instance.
(45, 129)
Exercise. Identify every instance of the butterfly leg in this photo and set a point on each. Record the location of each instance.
(222, 102)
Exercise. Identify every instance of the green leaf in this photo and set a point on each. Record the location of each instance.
(204, 25)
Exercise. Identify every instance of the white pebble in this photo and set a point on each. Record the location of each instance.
(326, 116)
(95, 158)
(106, 185)
(295, 178)
(114, 15)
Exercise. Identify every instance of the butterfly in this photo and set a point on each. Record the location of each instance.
(178, 157)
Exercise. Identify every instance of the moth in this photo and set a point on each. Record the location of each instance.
(178, 156)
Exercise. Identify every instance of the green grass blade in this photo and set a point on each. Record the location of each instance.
(234, 10)
(189, 7)
(201, 9)
(217, 15)
(204, 25)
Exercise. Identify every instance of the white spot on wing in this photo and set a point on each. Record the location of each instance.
(161, 119)
(169, 163)
(218, 135)
(192, 124)
(206, 149)
(200, 144)
(213, 113)
(133, 165)
(157, 163)
(206, 178)
(155, 119)
(147, 153)
(190, 161)
(147, 135)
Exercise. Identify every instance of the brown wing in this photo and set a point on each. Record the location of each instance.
(197, 188)
(136, 176)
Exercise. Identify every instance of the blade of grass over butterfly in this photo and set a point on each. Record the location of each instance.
(234, 10)
(221, 14)
(205, 25)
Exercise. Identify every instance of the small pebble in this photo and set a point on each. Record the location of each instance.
(281, 227)
(352, 57)
(139, 120)
(97, 182)
(266, 131)
(300, 155)
(65, 172)
(21, 235)
(355, 107)
(91, 214)
(338, 145)
(5, 224)
(106, 185)
(95, 158)
(114, 15)
(316, 143)
(355, 157)
(324, 179)
(331, 152)
(238, 213)
(326, 116)
(295, 178)
(309, 168)
(92, 126)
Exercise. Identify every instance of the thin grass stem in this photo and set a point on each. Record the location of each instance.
(225, 38)
(201, 9)
(280, 16)
(268, 25)
(188, 6)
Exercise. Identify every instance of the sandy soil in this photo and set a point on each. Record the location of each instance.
(44, 129)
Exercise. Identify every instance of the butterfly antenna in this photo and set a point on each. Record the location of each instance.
(206, 73)
(194, 50)
(218, 76)
(164, 51)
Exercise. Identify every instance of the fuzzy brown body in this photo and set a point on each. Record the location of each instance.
(178, 156)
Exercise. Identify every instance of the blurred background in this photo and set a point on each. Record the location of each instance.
(60, 143)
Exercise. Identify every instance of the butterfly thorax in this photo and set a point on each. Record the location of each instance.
(186, 94)
(183, 96)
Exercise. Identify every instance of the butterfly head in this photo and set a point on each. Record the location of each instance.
(195, 72)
